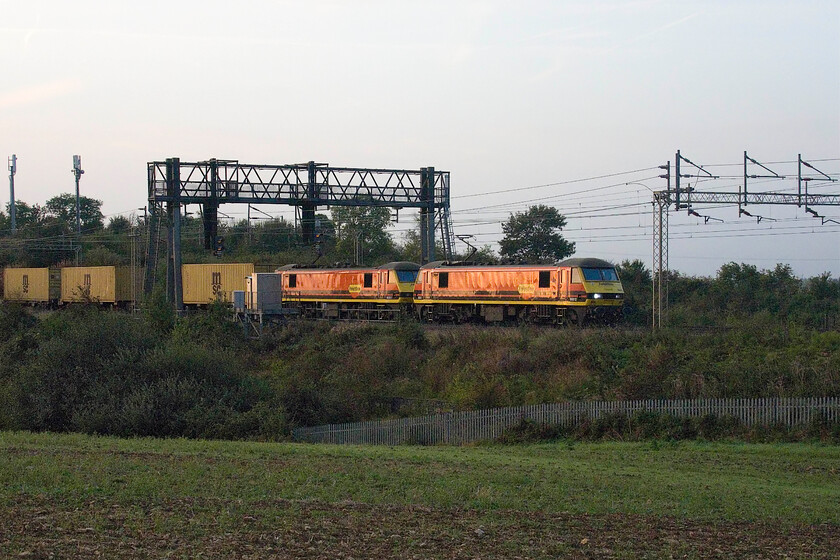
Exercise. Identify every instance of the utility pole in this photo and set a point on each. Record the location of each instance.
(12, 171)
(78, 172)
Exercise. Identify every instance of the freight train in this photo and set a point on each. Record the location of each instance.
(72, 284)
(572, 292)
(575, 291)
(117, 285)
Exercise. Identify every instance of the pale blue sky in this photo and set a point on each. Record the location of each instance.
(501, 94)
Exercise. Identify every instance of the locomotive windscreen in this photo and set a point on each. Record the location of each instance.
(600, 274)
(406, 275)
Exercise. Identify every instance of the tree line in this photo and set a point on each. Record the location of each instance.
(360, 235)
(738, 291)
(45, 236)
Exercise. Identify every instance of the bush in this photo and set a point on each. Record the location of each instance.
(101, 372)
(14, 320)
(656, 426)
(159, 312)
(104, 372)
(214, 327)
(76, 354)
(528, 431)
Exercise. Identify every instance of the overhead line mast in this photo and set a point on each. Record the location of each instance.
(684, 198)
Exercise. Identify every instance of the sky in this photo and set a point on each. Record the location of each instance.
(559, 103)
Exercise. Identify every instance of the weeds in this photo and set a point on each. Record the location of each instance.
(655, 427)
(95, 371)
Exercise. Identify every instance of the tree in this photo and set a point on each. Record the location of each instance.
(636, 280)
(119, 225)
(533, 236)
(411, 248)
(485, 254)
(273, 236)
(26, 216)
(63, 207)
(364, 227)
(99, 255)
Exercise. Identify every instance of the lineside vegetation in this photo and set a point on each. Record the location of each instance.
(94, 371)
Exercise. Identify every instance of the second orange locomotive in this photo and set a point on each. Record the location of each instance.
(574, 292)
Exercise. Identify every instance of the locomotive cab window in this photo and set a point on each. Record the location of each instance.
(293, 280)
(406, 275)
(443, 280)
(600, 274)
(545, 278)
(368, 280)
(576, 276)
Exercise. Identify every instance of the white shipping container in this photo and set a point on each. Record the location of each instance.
(239, 301)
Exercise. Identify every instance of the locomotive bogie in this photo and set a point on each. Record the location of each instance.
(498, 313)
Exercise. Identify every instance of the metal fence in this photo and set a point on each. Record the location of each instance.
(483, 425)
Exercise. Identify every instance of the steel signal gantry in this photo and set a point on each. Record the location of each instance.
(210, 183)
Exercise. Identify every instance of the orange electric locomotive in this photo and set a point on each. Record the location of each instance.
(574, 292)
(376, 293)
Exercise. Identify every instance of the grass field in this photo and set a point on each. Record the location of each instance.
(80, 496)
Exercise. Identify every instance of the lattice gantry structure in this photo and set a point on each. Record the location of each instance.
(307, 186)
(686, 197)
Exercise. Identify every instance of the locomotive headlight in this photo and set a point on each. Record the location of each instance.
(597, 296)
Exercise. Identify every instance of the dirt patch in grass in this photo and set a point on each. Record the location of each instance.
(43, 527)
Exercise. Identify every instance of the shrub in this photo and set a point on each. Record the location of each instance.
(529, 431)
(159, 312)
(14, 320)
(214, 327)
(110, 373)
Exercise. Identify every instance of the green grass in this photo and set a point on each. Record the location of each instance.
(789, 483)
